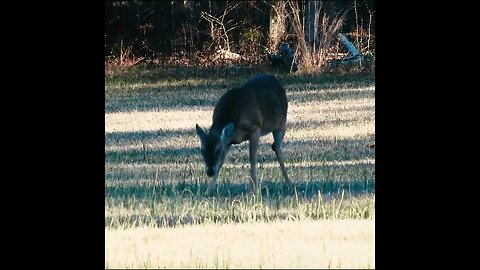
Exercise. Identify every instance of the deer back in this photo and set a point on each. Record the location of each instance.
(260, 103)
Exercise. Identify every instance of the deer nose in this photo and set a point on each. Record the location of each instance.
(210, 172)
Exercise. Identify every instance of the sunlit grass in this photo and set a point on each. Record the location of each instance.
(270, 164)
(173, 207)
(312, 244)
(361, 110)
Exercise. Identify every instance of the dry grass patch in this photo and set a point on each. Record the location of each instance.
(313, 244)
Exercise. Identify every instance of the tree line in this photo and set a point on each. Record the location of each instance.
(208, 31)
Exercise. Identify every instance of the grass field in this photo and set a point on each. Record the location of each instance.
(155, 179)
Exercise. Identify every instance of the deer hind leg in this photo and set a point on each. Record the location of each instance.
(277, 147)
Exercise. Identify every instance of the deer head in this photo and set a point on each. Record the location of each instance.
(214, 147)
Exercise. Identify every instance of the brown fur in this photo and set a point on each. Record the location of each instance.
(255, 109)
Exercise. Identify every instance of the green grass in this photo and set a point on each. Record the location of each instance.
(154, 174)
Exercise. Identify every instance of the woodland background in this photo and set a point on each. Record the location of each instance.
(237, 33)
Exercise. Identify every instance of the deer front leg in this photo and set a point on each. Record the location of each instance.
(254, 141)
(212, 186)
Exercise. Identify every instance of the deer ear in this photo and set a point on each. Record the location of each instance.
(227, 133)
(200, 132)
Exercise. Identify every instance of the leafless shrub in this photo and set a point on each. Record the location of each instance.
(316, 43)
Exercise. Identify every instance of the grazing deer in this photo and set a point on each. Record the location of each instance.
(246, 113)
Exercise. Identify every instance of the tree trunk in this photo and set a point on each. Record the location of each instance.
(309, 22)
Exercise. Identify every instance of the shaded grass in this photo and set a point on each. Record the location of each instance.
(324, 149)
(176, 77)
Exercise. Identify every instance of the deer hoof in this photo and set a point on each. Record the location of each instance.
(210, 190)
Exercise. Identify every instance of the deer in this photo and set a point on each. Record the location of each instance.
(245, 113)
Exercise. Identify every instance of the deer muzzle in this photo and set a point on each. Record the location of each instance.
(210, 171)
